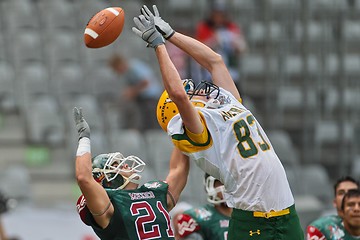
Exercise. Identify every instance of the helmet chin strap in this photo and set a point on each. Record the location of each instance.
(134, 178)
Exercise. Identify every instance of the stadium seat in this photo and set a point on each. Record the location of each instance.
(26, 46)
(57, 14)
(128, 142)
(316, 182)
(284, 147)
(19, 14)
(258, 32)
(16, 183)
(8, 102)
(67, 81)
(62, 47)
(44, 122)
(31, 80)
(352, 65)
(159, 148)
(106, 85)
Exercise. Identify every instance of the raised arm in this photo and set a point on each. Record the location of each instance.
(178, 174)
(201, 53)
(96, 197)
(207, 58)
(170, 76)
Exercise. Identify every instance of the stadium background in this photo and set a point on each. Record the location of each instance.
(300, 77)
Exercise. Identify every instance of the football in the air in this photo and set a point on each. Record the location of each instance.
(104, 27)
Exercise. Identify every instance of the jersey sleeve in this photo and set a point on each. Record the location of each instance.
(186, 225)
(82, 209)
(313, 233)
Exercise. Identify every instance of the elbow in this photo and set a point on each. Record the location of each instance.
(83, 179)
(178, 96)
(215, 61)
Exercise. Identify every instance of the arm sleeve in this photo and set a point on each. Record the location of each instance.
(314, 233)
(187, 225)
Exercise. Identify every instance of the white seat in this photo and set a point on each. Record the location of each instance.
(316, 182)
(159, 148)
(316, 31)
(106, 85)
(293, 98)
(16, 183)
(56, 14)
(352, 98)
(284, 147)
(19, 14)
(31, 80)
(352, 64)
(351, 30)
(61, 47)
(129, 142)
(8, 101)
(67, 80)
(44, 121)
(258, 31)
(331, 64)
(26, 46)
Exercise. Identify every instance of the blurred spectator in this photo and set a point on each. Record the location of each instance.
(324, 227)
(210, 221)
(224, 36)
(5, 205)
(141, 93)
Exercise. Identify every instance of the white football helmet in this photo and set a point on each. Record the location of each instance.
(107, 169)
(212, 191)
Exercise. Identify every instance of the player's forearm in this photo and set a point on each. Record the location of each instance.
(83, 169)
(178, 173)
(204, 55)
(171, 78)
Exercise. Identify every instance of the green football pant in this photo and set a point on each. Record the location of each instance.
(244, 226)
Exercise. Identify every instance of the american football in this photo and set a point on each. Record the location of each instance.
(104, 27)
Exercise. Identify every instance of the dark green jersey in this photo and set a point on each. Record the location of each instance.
(328, 228)
(206, 221)
(138, 214)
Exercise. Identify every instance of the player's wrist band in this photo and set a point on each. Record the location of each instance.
(83, 147)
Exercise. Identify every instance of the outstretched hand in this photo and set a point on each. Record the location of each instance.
(81, 125)
(163, 27)
(147, 31)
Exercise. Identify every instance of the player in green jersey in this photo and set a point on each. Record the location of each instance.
(210, 221)
(350, 211)
(113, 203)
(324, 227)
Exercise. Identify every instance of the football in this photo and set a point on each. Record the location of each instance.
(104, 27)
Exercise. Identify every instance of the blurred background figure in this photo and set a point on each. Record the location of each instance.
(323, 227)
(224, 36)
(210, 221)
(140, 95)
(6, 204)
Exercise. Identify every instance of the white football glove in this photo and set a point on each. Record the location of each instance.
(163, 27)
(147, 31)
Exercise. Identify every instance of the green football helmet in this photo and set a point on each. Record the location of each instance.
(107, 169)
